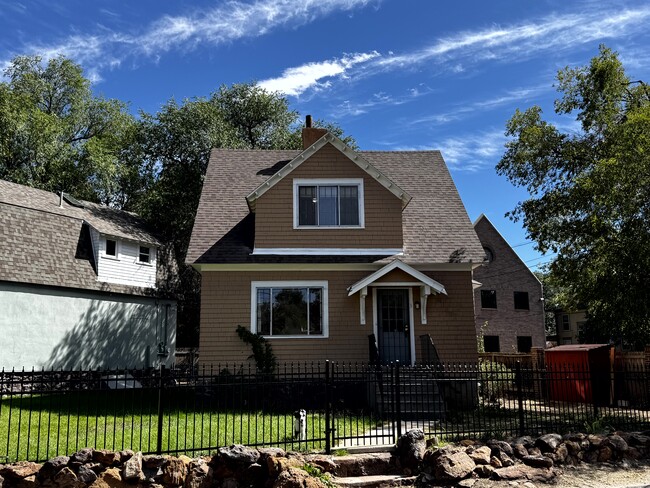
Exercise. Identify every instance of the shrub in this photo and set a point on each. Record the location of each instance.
(495, 380)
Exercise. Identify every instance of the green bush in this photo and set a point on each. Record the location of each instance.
(495, 380)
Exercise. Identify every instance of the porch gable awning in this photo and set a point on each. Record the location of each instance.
(426, 283)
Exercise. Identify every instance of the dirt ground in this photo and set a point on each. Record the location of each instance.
(587, 476)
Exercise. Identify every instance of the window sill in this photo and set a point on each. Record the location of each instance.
(296, 337)
(112, 258)
(143, 264)
(489, 308)
(329, 227)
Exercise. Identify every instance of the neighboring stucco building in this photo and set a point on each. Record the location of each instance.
(509, 299)
(80, 285)
(330, 252)
(570, 326)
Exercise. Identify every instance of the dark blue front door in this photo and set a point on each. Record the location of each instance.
(393, 325)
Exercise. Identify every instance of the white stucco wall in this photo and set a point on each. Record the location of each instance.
(65, 328)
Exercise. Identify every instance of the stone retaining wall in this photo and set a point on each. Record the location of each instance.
(238, 466)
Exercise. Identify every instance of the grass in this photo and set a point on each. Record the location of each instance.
(40, 427)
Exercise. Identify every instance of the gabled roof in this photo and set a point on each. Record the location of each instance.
(106, 220)
(436, 228)
(482, 271)
(43, 244)
(352, 155)
(397, 264)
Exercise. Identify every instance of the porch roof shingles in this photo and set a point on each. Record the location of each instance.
(436, 228)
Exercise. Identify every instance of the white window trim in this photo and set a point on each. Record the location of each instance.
(151, 255)
(117, 249)
(297, 182)
(291, 284)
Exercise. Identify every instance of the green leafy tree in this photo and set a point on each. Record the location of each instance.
(56, 135)
(590, 194)
(175, 145)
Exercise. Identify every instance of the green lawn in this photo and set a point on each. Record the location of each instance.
(41, 427)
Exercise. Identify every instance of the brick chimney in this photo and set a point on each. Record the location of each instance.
(311, 134)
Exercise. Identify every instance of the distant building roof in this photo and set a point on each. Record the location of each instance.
(42, 243)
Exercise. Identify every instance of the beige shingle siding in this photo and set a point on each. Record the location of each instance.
(274, 211)
(225, 303)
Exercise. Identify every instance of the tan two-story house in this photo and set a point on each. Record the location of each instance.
(330, 252)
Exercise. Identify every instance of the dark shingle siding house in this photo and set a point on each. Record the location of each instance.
(70, 303)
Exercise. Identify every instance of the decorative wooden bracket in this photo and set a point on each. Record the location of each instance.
(425, 291)
(362, 304)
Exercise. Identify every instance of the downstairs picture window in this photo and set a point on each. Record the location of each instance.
(290, 309)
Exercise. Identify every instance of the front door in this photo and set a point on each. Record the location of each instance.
(393, 325)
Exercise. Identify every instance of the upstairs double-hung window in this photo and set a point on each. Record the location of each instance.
(328, 203)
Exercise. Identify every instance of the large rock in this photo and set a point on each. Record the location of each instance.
(111, 478)
(52, 467)
(86, 475)
(538, 461)
(174, 472)
(297, 478)
(548, 442)
(481, 455)
(67, 479)
(617, 442)
(410, 449)
(133, 468)
(20, 470)
(198, 474)
(520, 472)
(519, 450)
(501, 446)
(83, 456)
(451, 464)
(238, 454)
(277, 465)
(106, 457)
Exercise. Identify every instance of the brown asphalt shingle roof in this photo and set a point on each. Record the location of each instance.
(43, 244)
(436, 227)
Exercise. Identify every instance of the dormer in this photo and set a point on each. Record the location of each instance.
(328, 200)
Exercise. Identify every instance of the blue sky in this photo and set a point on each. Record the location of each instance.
(395, 74)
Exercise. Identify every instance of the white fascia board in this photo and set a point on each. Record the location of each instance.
(245, 267)
(351, 154)
(325, 251)
(397, 264)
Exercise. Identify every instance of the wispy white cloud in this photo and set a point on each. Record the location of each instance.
(551, 33)
(457, 54)
(295, 81)
(468, 152)
(349, 108)
(227, 22)
(473, 108)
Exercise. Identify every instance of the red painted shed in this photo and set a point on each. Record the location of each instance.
(581, 373)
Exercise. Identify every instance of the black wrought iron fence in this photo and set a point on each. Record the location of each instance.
(49, 413)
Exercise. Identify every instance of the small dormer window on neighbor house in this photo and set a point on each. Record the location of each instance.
(144, 256)
(111, 248)
(328, 203)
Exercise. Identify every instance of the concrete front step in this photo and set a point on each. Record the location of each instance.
(367, 464)
(375, 481)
